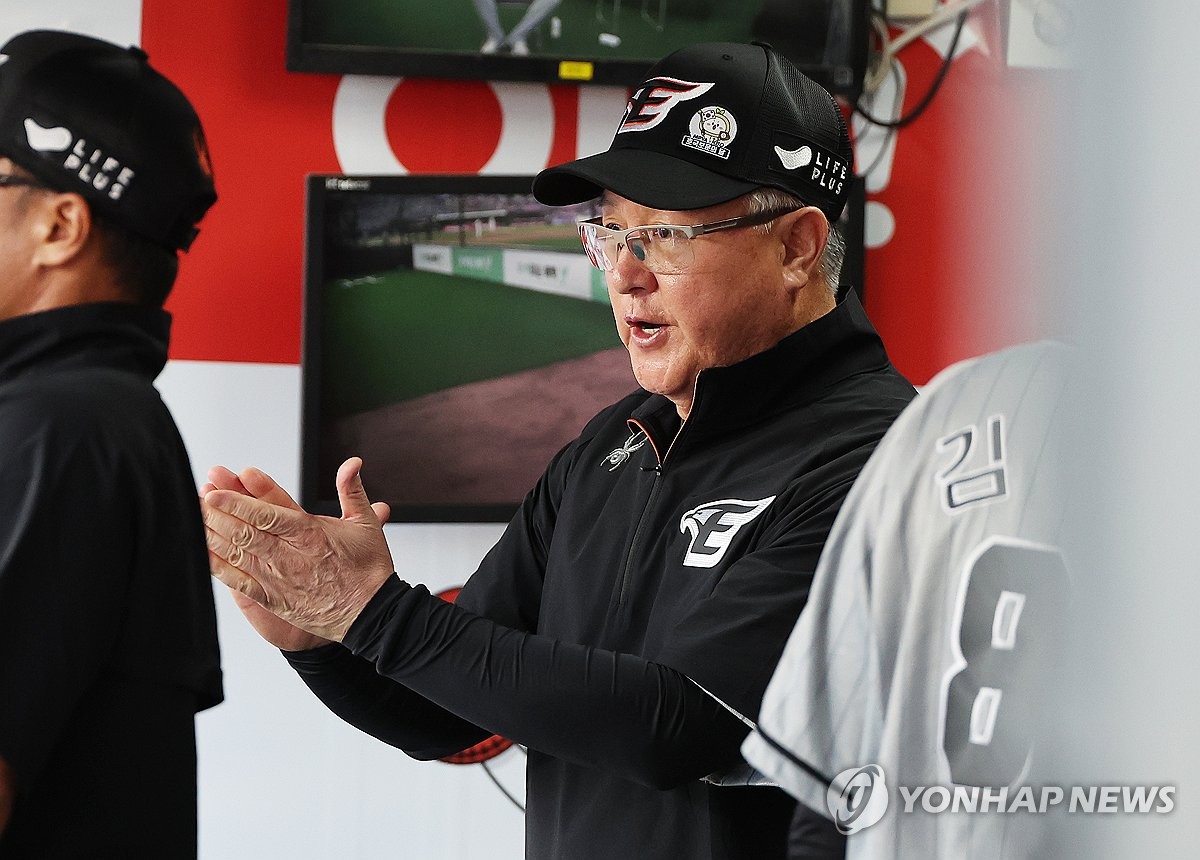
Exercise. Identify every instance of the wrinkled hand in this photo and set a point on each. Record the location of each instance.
(272, 628)
(315, 573)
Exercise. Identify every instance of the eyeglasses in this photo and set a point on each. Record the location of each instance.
(11, 180)
(664, 249)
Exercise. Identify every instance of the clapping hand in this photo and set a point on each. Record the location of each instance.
(313, 575)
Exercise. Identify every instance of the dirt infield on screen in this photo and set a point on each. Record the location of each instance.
(458, 391)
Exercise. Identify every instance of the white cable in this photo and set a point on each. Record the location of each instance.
(945, 13)
(877, 71)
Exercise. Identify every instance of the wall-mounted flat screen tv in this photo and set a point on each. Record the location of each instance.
(583, 41)
(455, 337)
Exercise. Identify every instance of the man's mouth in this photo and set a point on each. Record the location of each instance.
(645, 328)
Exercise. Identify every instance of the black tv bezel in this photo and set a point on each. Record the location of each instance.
(310, 358)
(324, 58)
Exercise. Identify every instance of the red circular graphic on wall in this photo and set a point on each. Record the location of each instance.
(437, 126)
(487, 748)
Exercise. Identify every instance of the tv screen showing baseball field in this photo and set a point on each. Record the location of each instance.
(456, 338)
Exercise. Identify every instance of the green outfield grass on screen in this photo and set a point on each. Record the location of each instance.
(462, 294)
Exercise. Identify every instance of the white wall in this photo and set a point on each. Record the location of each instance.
(116, 20)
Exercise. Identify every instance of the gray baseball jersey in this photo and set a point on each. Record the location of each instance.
(923, 657)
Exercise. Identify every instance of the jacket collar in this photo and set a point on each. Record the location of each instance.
(797, 370)
(116, 334)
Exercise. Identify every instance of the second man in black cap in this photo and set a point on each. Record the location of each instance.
(108, 639)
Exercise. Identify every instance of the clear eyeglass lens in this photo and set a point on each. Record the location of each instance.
(662, 249)
(593, 245)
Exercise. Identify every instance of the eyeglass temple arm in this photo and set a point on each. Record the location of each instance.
(739, 221)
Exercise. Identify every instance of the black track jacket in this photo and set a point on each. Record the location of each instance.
(651, 563)
(108, 636)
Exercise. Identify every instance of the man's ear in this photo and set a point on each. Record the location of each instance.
(64, 225)
(805, 233)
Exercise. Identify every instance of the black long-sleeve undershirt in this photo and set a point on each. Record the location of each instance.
(432, 679)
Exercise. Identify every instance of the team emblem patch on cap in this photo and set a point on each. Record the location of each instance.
(711, 130)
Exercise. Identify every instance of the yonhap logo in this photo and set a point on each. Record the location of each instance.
(857, 798)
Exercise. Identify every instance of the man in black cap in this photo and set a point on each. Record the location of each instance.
(107, 625)
(626, 624)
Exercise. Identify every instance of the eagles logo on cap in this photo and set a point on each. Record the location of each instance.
(653, 100)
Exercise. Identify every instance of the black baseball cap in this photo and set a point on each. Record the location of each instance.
(87, 116)
(712, 122)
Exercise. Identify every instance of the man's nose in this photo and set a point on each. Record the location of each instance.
(629, 273)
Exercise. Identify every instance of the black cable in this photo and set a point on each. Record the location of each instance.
(933, 88)
(503, 790)
(878, 158)
(887, 138)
